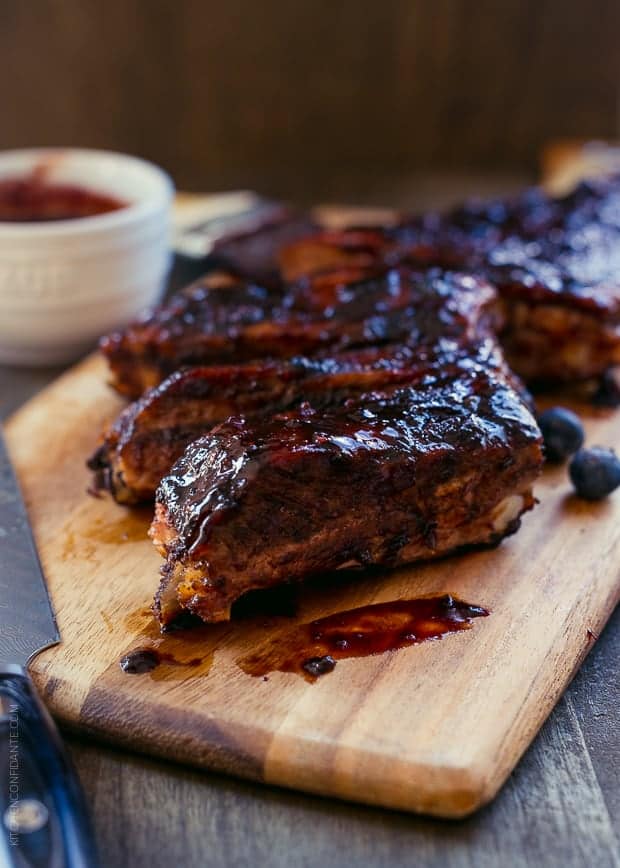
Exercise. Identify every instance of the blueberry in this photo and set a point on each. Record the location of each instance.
(595, 472)
(562, 432)
(607, 393)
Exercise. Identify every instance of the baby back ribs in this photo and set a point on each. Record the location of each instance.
(153, 432)
(555, 262)
(360, 414)
(221, 321)
(447, 320)
(389, 477)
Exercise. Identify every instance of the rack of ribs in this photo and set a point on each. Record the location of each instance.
(220, 320)
(394, 455)
(554, 261)
(386, 478)
(359, 412)
(432, 313)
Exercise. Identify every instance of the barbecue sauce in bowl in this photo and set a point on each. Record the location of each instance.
(33, 199)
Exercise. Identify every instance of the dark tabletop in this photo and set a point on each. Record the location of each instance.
(561, 806)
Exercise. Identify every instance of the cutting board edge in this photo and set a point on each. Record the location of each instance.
(479, 780)
(464, 794)
(464, 789)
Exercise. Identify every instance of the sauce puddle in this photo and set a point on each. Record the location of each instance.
(309, 650)
(312, 649)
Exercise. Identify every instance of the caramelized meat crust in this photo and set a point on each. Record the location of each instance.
(220, 321)
(152, 433)
(434, 312)
(390, 477)
(554, 261)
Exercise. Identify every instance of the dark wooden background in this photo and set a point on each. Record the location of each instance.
(293, 96)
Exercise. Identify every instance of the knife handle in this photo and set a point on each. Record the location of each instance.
(43, 816)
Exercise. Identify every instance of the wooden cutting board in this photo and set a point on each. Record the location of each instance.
(435, 727)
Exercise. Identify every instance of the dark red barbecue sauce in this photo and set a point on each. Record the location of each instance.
(142, 660)
(313, 649)
(32, 199)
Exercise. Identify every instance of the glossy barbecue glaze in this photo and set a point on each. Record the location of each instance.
(220, 320)
(443, 317)
(387, 478)
(195, 325)
(555, 262)
(152, 433)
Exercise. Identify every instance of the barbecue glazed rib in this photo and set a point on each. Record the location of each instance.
(554, 261)
(219, 320)
(391, 477)
(199, 324)
(153, 432)
(253, 254)
(443, 312)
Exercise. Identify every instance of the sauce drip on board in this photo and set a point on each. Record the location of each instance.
(176, 655)
(313, 649)
(32, 199)
(310, 649)
(190, 643)
(142, 660)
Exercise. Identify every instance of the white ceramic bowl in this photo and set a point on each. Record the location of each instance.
(63, 283)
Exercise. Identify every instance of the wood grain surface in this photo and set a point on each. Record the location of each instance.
(434, 728)
(310, 99)
(560, 807)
